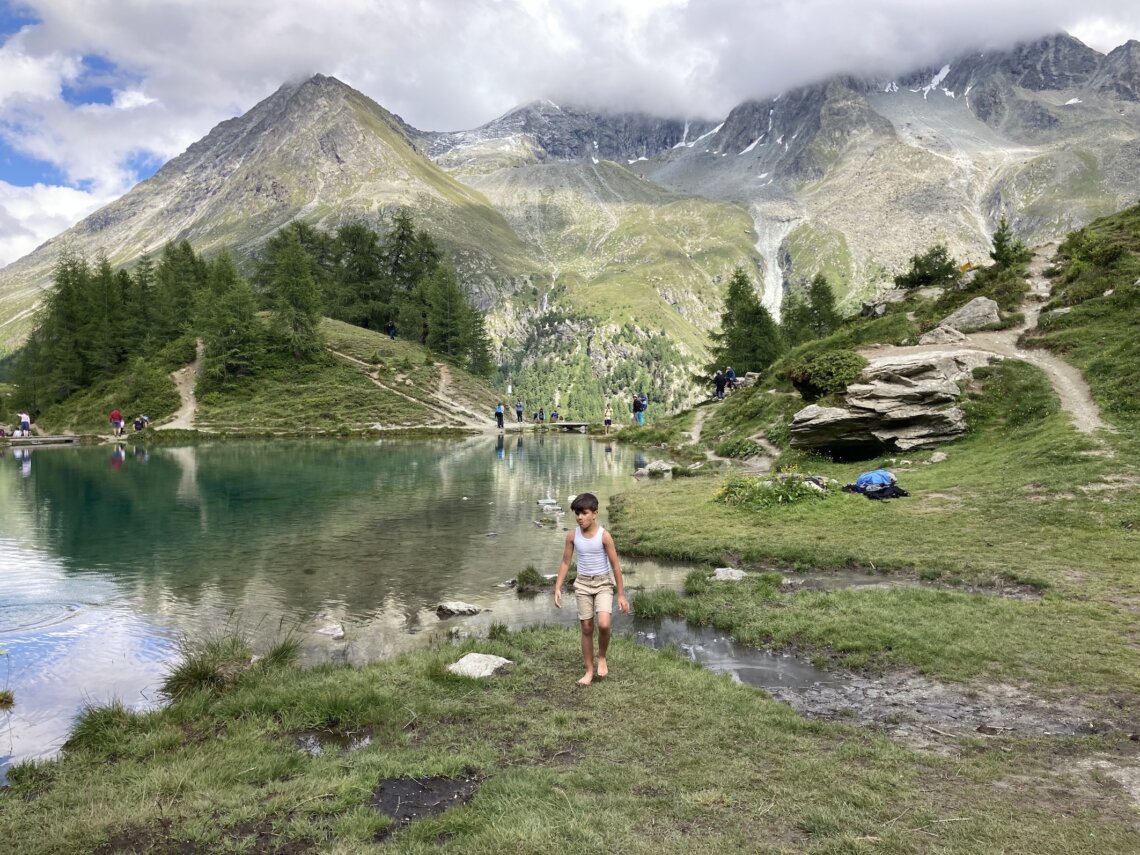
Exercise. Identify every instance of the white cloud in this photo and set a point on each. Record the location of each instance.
(450, 65)
(31, 215)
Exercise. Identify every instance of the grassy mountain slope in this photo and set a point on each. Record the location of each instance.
(363, 384)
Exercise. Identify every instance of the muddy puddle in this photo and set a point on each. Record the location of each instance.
(913, 708)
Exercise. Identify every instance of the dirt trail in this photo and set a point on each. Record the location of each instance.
(450, 411)
(1067, 381)
(760, 463)
(185, 379)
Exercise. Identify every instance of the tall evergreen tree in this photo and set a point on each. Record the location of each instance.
(179, 279)
(796, 318)
(821, 305)
(359, 291)
(228, 322)
(448, 318)
(749, 339)
(139, 308)
(294, 295)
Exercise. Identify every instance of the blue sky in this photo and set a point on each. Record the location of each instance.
(96, 94)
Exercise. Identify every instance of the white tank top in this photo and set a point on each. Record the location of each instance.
(591, 551)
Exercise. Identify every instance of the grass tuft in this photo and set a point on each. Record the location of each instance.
(212, 665)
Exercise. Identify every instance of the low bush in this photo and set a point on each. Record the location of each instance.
(827, 373)
(756, 494)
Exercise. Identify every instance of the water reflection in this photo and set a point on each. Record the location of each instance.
(110, 554)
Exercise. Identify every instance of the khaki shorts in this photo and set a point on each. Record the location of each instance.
(594, 594)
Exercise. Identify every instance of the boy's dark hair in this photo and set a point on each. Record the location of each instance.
(584, 502)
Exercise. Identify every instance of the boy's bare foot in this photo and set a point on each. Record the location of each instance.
(587, 679)
(603, 669)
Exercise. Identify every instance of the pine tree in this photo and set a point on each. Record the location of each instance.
(821, 306)
(228, 322)
(796, 319)
(1008, 250)
(448, 315)
(749, 339)
(139, 308)
(478, 346)
(293, 294)
(179, 278)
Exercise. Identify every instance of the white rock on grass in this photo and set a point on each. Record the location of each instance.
(728, 574)
(478, 665)
(455, 607)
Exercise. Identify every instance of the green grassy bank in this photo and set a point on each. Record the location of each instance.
(661, 756)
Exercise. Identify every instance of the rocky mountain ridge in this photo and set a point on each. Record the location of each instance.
(628, 224)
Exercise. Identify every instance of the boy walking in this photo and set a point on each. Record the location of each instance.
(599, 571)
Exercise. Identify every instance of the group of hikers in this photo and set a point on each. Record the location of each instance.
(118, 422)
(23, 426)
(723, 380)
(638, 407)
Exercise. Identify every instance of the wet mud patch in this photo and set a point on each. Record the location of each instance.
(404, 800)
(919, 711)
(318, 742)
(923, 713)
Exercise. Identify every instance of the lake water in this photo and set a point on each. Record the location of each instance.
(109, 556)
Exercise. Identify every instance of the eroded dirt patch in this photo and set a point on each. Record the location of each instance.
(404, 800)
(918, 710)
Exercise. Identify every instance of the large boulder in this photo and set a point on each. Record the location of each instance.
(978, 313)
(899, 403)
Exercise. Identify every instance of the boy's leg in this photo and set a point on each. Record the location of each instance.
(603, 642)
(587, 651)
(584, 598)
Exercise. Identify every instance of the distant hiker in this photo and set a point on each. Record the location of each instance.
(139, 423)
(116, 422)
(541, 415)
(499, 412)
(719, 381)
(730, 378)
(638, 413)
(391, 330)
(25, 424)
(553, 416)
(608, 418)
(518, 410)
(599, 572)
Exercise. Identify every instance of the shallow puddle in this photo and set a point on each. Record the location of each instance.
(318, 742)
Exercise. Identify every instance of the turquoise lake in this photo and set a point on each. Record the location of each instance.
(110, 556)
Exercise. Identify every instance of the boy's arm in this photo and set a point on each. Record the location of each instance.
(615, 565)
(563, 569)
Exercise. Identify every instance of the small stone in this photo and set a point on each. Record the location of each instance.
(333, 630)
(938, 457)
(478, 665)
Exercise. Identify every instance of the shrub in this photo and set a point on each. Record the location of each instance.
(760, 493)
(826, 373)
(740, 447)
(933, 267)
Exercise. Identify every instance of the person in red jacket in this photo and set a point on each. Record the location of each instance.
(116, 422)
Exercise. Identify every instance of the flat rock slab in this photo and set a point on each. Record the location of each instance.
(728, 574)
(455, 607)
(478, 665)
